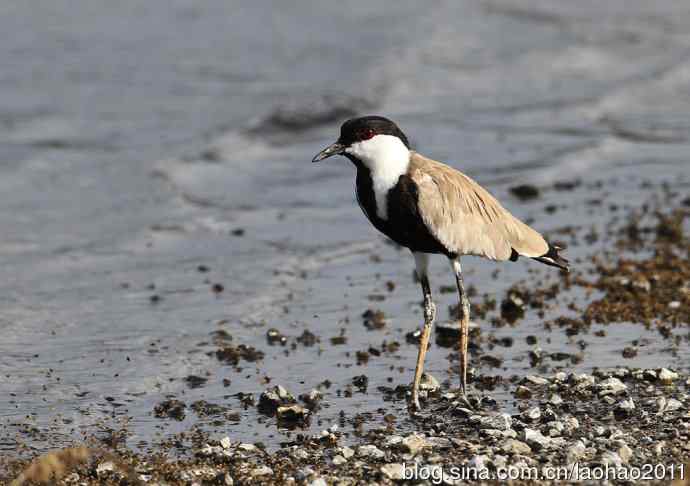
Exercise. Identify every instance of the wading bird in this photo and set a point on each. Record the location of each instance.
(431, 208)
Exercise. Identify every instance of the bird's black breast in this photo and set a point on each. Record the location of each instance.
(403, 224)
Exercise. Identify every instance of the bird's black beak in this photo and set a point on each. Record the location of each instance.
(333, 149)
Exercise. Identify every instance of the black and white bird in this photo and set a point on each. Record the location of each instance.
(432, 208)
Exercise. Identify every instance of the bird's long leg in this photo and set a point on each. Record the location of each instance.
(464, 325)
(422, 265)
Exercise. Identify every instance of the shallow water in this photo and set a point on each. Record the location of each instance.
(137, 138)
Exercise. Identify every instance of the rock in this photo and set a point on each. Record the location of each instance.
(439, 442)
(555, 399)
(667, 376)
(523, 392)
(611, 386)
(429, 384)
(174, 409)
(609, 458)
(536, 380)
(274, 336)
(339, 460)
(478, 462)
(225, 442)
(534, 439)
(271, 399)
(532, 414)
(499, 421)
(370, 451)
(292, 413)
(659, 447)
(525, 192)
(105, 467)
(299, 453)
(560, 376)
(347, 452)
(500, 434)
(311, 399)
(625, 453)
(672, 404)
(512, 308)
(392, 441)
(318, 482)
(575, 452)
(571, 424)
(247, 447)
(394, 472)
(584, 380)
(555, 428)
(625, 407)
(512, 446)
(374, 319)
(414, 443)
(262, 471)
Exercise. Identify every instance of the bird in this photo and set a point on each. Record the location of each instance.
(432, 209)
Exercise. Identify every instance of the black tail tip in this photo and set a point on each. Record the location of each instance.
(554, 259)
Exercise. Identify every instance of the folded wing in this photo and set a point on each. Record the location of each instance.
(465, 218)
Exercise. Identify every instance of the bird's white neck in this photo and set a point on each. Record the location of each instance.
(387, 158)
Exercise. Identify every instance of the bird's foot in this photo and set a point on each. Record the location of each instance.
(465, 400)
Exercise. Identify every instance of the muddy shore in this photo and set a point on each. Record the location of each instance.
(621, 417)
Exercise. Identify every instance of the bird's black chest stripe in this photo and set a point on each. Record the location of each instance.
(404, 225)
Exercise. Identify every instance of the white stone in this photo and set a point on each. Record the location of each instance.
(394, 472)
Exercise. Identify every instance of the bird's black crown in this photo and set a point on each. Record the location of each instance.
(366, 127)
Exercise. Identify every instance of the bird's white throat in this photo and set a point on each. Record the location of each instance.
(387, 158)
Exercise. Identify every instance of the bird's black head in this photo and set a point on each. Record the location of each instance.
(359, 130)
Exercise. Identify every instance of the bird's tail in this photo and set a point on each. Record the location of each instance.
(553, 258)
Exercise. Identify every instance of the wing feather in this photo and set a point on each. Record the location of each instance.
(466, 218)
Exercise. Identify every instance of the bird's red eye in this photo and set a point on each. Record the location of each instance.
(366, 134)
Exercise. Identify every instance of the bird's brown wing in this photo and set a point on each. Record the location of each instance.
(465, 218)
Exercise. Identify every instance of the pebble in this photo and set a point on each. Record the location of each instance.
(575, 452)
(429, 384)
(667, 376)
(370, 450)
(625, 406)
(262, 471)
(414, 443)
(347, 452)
(394, 472)
(536, 380)
(339, 460)
(105, 467)
(610, 459)
(318, 482)
(534, 439)
(571, 424)
(312, 398)
(478, 462)
(555, 400)
(225, 442)
(533, 414)
(271, 399)
(560, 376)
(292, 413)
(512, 446)
(523, 392)
(555, 428)
(611, 386)
(499, 421)
(625, 453)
